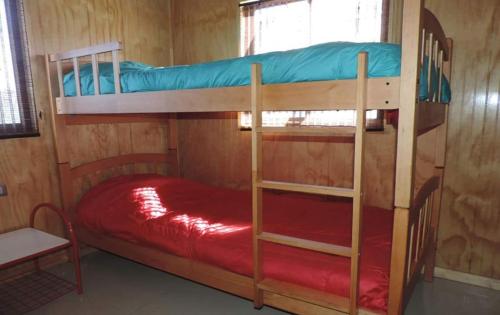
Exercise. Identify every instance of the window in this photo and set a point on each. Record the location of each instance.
(305, 23)
(17, 110)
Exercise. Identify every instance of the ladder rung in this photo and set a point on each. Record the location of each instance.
(306, 244)
(312, 189)
(305, 294)
(341, 131)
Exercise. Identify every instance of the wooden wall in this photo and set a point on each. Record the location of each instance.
(28, 165)
(469, 234)
(215, 151)
(212, 150)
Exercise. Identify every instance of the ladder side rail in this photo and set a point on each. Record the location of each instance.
(256, 104)
(361, 88)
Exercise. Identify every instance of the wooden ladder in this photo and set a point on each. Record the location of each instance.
(342, 304)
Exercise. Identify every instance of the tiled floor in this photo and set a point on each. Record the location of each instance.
(114, 285)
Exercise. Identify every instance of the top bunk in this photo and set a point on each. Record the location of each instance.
(321, 77)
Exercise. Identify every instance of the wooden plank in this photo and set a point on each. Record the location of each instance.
(95, 75)
(342, 131)
(89, 119)
(116, 71)
(305, 294)
(430, 115)
(468, 278)
(311, 189)
(87, 51)
(382, 93)
(98, 165)
(306, 244)
(324, 95)
(359, 154)
(405, 162)
(76, 69)
(397, 279)
(256, 103)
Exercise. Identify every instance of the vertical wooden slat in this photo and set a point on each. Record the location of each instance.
(429, 67)
(76, 70)
(440, 79)
(410, 253)
(419, 230)
(422, 50)
(435, 58)
(95, 72)
(357, 210)
(116, 71)
(256, 100)
(60, 78)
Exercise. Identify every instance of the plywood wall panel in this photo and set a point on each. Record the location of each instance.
(215, 151)
(469, 235)
(469, 238)
(205, 30)
(28, 166)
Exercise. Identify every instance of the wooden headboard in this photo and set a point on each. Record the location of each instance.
(70, 172)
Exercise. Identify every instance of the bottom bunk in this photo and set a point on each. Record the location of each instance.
(204, 233)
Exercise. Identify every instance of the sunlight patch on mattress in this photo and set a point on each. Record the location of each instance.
(204, 227)
(149, 202)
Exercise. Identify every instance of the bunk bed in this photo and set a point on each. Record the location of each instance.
(231, 250)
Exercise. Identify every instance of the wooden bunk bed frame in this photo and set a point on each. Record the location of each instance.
(415, 215)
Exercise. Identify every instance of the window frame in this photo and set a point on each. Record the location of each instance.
(23, 80)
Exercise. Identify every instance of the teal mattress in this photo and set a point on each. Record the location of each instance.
(329, 61)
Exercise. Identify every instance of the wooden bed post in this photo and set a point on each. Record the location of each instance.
(406, 149)
(440, 162)
(60, 141)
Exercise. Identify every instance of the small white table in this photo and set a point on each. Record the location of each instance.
(29, 244)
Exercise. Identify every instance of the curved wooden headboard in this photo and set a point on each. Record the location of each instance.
(431, 25)
(120, 160)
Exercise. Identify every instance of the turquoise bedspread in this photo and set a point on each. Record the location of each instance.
(330, 61)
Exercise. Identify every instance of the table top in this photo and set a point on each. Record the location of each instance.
(26, 242)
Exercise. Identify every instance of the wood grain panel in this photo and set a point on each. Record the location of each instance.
(28, 165)
(205, 30)
(469, 234)
(213, 150)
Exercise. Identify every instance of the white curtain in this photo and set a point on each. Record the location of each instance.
(283, 25)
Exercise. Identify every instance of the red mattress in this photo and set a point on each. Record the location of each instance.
(213, 225)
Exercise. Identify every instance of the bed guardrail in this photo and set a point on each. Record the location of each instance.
(93, 52)
(434, 48)
(421, 230)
